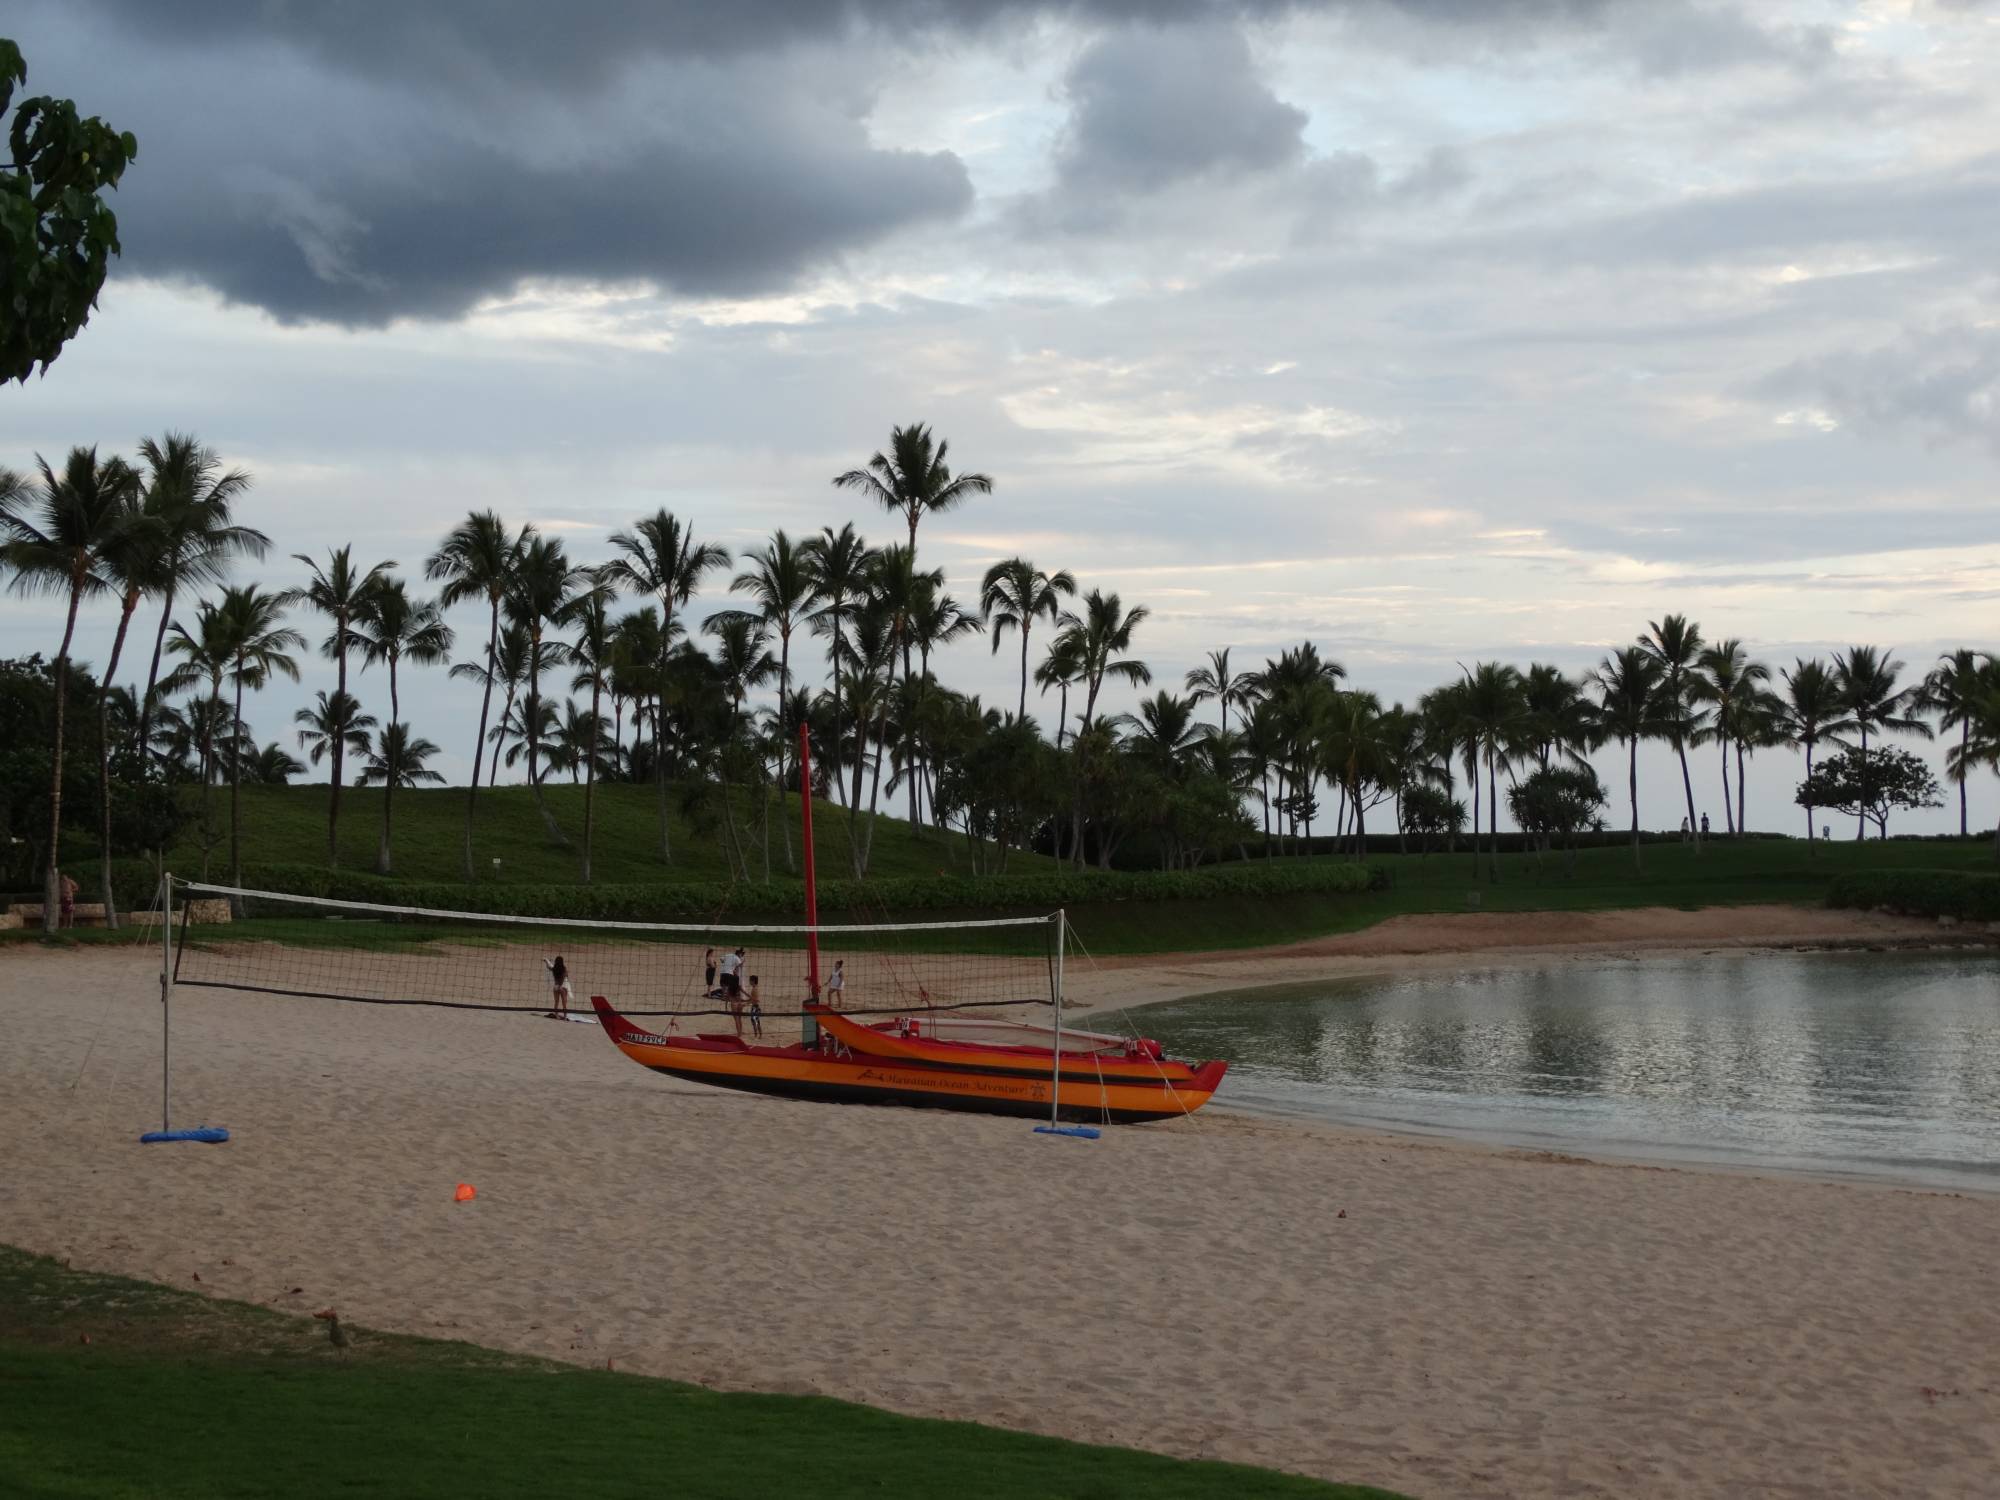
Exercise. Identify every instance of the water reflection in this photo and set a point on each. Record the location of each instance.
(1882, 1065)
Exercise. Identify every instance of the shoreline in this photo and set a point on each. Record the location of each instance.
(1431, 1315)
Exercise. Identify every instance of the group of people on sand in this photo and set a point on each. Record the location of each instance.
(726, 981)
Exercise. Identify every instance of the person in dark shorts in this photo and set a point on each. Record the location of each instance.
(708, 975)
(756, 1011)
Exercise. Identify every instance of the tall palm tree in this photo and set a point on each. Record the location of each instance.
(344, 593)
(1811, 710)
(398, 759)
(259, 645)
(273, 766)
(1727, 678)
(594, 654)
(781, 580)
(913, 479)
(635, 674)
(1556, 715)
(396, 628)
(55, 536)
(1865, 678)
(1213, 680)
(477, 561)
(1013, 595)
(334, 724)
(1981, 747)
(1675, 643)
(192, 497)
(544, 584)
(130, 564)
(659, 557)
(1164, 734)
(1953, 691)
(840, 562)
(1494, 710)
(1627, 683)
(1102, 634)
(743, 665)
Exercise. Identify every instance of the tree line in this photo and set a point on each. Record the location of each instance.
(597, 670)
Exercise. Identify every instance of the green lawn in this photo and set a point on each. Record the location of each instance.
(117, 1388)
(288, 825)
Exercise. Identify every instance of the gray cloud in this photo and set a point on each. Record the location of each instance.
(1942, 382)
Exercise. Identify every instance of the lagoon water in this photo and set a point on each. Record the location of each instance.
(1884, 1066)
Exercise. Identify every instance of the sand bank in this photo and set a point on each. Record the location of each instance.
(1438, 1319)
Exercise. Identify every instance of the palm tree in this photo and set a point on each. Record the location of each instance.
(397, 760)
(333, 724)
(635, 674)
(477, 560)
(1102, 634)
(1953, 691)
(274, 766)
(1062, 667)
(743, 665)
(1628, 687)
(395, 629)
(1675, 643)
(1494, 712)
(840, 562)
(544, 584)
(1214, 680)
(1981, 747)
(344, 594)
(191, 497)
(660, 557)
(594, 653)
(1726, 677)
(510, 670)
(259, 645)
(55, 538)
(913, 479)
(1811, 711)
(1866, 681)
(1013, 595)
(781, 580)
(1557, 717)
(130, 565)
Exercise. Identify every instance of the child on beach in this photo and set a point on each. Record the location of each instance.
(836, 983)
(559, 983)
(708, 975)
(756, 1011)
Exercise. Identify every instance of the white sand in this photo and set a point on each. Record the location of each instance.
(1438, 1319)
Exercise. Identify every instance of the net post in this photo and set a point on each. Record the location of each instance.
(808, 1027)
(1055, 1086)
(166, 989)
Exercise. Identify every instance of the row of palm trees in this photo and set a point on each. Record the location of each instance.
(164, 529)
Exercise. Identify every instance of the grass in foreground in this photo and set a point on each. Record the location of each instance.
(176, 1396)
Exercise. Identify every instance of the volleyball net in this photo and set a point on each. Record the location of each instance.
(303, 947)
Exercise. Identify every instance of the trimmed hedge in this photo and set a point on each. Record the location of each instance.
(784, 900)
(1921, 893)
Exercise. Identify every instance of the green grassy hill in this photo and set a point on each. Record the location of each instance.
(288, 825)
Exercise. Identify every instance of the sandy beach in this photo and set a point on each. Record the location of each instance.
(1436, 1318)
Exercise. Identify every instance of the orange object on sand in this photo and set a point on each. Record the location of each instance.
(465, 1194)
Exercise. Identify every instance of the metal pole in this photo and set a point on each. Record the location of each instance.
(166, 989)
(809, 1028)
(1055, 1090)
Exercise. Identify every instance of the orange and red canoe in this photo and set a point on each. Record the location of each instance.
(896, 1062)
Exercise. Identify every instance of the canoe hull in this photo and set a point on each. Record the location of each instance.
(797, 1072)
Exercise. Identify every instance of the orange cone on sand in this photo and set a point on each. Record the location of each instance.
(465, 1194)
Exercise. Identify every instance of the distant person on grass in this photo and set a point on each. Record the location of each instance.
(1704, 825)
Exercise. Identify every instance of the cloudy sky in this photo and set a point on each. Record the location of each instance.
(1432, 330)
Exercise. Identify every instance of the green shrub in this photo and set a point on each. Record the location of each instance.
(1920, 893)
(851, 900)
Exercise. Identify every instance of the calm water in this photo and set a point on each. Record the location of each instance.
(1882, 1066)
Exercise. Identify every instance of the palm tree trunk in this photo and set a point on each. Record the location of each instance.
(1810, 836)
(1964, 771)
(479, 744)
(153, 674)
(1062, 715)
(590, 771)
(104, 759)
(236, 786)
(1728, 804)
(1742, 828)
(1632, 790)
(875, 781)
(52, 877)
(1022, 711)
(382, 854)
(208, 770)
(1687, 785)
(535, 744)
(1861, 818)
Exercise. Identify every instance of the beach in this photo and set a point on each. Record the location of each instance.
(1436, 1318)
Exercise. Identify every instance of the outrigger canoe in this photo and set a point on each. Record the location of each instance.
(895, 1062)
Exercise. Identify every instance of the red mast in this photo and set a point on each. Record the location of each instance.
(812, 890)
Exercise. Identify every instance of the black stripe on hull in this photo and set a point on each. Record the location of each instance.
(861, 1093)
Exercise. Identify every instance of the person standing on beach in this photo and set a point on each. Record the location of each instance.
(67, 894)
(756, 1011)
(559, 982)
(708, 974)
(836, 983)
